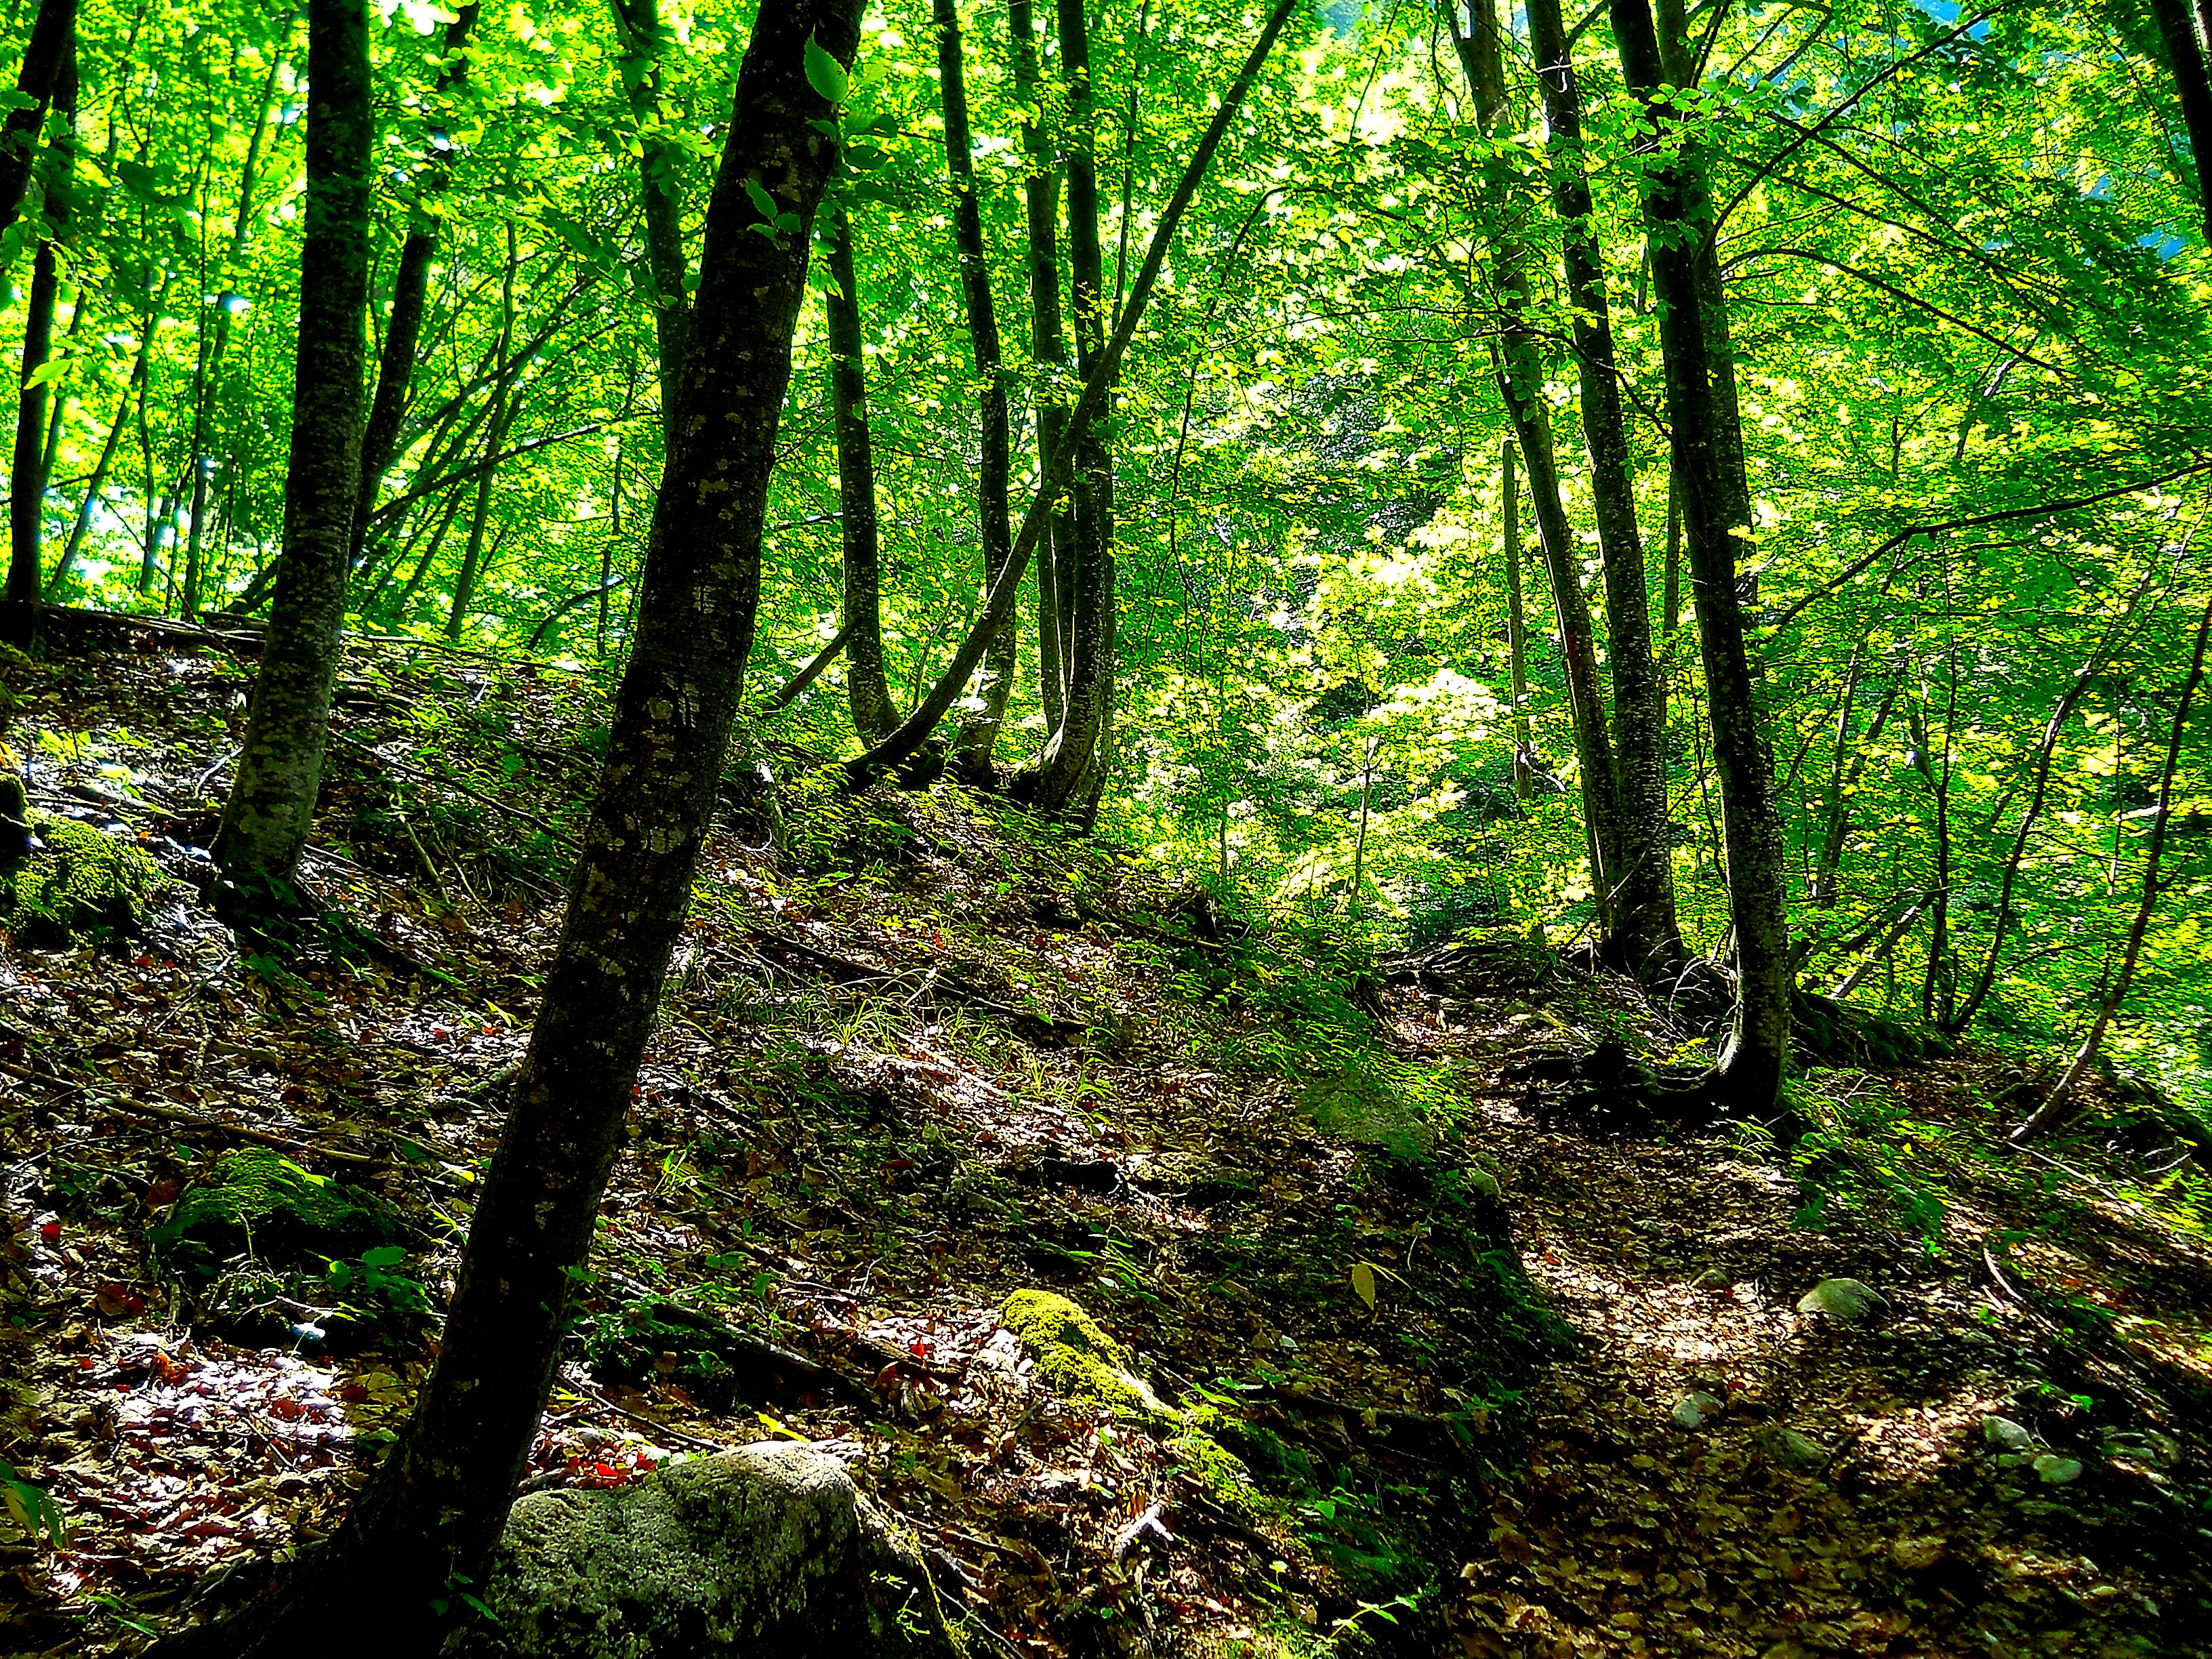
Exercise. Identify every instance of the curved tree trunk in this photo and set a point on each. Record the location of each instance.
(427, 1522)
(979, 733)
(410, 289)
(264, 822)
(53, 37)
(26, 480)
(1708, 475)
(874, 715)
(1647, 932)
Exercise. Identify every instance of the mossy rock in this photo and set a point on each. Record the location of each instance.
(261, 1205)
(1082, 1363)
(81, 885)
(1826, 1032)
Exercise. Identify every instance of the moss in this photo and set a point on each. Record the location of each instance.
(1080, 1361)
(263, 1205)
(82, 885)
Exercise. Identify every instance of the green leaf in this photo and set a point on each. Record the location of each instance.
(763, 204)
(825, 74)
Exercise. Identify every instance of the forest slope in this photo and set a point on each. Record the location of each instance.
(1417, 1301)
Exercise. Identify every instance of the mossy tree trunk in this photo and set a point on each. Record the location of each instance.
(280, 767)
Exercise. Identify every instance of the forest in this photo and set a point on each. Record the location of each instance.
(1106, 827)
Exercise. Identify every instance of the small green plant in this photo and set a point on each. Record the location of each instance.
(27, 1510)
(370, 1282)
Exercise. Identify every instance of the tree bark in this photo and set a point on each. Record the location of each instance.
(504, 401)
(26, 481)
(979, 733)
(1061, 781)
(915, 730)
(660, 173)
(1708, 469)
(1648, 935)
(53, 36)
(1049, 353)
(2063, 1102)
(428, 1521)
(265, 821)
(2184, 56)
(1516, 641)
(410, 289)
(874, 715)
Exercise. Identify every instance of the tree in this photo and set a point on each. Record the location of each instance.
(51, 44)
(280, 765)
(428, 1521)
(33, 460)
(861, 568)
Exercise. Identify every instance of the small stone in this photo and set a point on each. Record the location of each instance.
(2057, 1471)
(1848, 1299)
(2003, 1431)
(1794, 1450)
(1919, 1554)
(1482, 1184)
(1694, 1410)
(1713, 1278)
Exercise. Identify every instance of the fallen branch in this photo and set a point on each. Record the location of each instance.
(419, 775)
(190, 1119)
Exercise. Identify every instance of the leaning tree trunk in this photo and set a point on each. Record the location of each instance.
(53, 36)
(432, 1511)
(1063, 778)
(280, 767)
(979, 733)
(915, 730)
(26, 480)
(874, 715)
(1517, 639)
(1648, 934)
(411, 290)
(1706, 428)
(1049, 353)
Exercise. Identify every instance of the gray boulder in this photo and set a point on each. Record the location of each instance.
(764, 1552)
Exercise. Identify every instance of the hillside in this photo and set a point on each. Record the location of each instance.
(1188, 1283)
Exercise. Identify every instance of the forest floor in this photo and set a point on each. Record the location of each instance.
(920, 1054)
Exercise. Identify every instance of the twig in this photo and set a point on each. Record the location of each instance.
(437, 782)
(178, 1115)
(660, 1428)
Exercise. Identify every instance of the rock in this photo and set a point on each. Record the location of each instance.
(260, 1202)
(1920, 1554)
(1080, 1361)
(69, 881)
(2004, 1433)
(1712, 1279)
(1848, 1299)
(2057, 1471)
(768, 1551)
(1794, 1450)
(1697, 1408)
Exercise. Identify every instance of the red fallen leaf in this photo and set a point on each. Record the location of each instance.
(920, 1349)
(163, 1194)
(887, 1378)
(115, 1301)
(288, 1411)
(51, 1231)
(352, 1393)
(170, 1370)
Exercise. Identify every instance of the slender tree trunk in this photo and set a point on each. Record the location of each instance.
(1708, 469)
(1061, 779)
(915, 730)
(81, 525)
(2184, 56)
(27, 492)
(979, 733)
(1517, 642)
(1519, 367)
(1048, 352)
(432, 1512)
(53, 37)
(504, 401)
(1649, 935)
(265, 821)
(659, 178)
(2063, 1102)
(1938, 984)
(1843, 782)
(411, 290)
(874, 715)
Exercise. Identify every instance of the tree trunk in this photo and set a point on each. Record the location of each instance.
(1648, 933)
(660, 173)
(979, 733)
(1844, 771)
(280, 767)
(915, 730)
(53, 37)
(26, 481)
(1061, 781)
(1708, 470)
(1048, 352)
(874, 715)
(1517, 642)
(504, 401)
(2062, 1103)
(2184, 56)
(426, 1524)
(410, 289)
